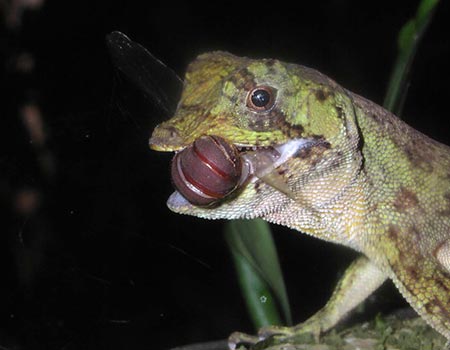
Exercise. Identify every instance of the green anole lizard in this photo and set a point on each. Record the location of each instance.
(357, 174)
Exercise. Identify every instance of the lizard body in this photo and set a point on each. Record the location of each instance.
(364, 179)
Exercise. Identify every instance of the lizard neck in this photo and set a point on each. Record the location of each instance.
(395, 153)
(405, 176)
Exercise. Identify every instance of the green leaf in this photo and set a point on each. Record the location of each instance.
(259, 271)
(408, 41)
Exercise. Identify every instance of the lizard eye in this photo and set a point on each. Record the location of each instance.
(261, 98)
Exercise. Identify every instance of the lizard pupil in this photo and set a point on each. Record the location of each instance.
(261, 98)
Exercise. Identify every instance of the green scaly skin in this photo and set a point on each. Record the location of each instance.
(368, 181)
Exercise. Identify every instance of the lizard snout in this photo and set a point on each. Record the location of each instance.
(166, 138)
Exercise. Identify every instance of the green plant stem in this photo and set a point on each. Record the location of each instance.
(408, 41)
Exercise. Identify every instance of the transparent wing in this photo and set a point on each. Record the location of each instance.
(158, 82)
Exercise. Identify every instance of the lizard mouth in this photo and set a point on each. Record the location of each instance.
(258, 163)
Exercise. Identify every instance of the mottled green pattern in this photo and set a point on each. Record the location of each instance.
(367, 181)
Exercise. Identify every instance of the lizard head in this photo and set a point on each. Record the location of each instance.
(259, 104)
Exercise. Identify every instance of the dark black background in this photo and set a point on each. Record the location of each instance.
(100, 262)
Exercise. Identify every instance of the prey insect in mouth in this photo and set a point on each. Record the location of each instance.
(212, 169)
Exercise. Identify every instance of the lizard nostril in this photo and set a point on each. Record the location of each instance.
(173, 133)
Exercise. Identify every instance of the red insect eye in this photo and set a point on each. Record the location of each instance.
(261, 98)
(207, 171)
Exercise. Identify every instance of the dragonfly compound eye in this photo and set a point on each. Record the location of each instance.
(207, 171)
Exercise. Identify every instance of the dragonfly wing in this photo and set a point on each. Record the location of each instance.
(161, 84)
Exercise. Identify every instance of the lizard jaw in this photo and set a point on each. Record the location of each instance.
(258, 162)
